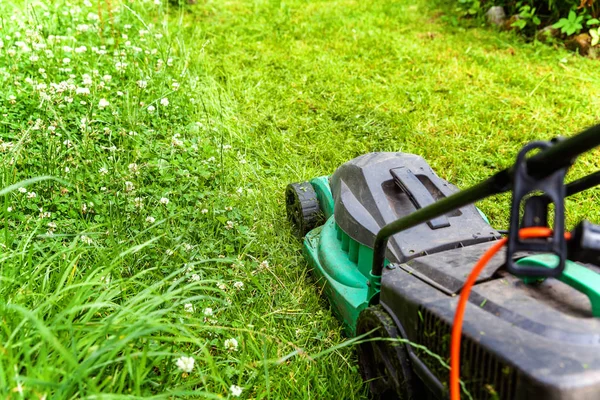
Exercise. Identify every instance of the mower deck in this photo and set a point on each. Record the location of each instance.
(522, 338)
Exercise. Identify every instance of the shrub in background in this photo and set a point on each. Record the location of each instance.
(557, 18)
(541, 13)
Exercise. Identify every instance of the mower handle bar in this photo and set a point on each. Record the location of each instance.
(562, 154)
(582, 184)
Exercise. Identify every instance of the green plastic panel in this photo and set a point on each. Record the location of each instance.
(575, 275)
(321, 187)
(342, 265)
(344, 282)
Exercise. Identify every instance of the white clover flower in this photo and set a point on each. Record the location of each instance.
(164, 102)
(239, 285)
(120, 66)
(66, 60)
(164, 200)
(169, 252)
(186, 364)
(235, 390)
(229, 225)
(221, 286)
(34, 58)
(204, 211)
(129, 186)
(22, 190)
(86, 239)
(9, 209)
(150, 219)
(41, 86)
(93, 16)
(119, 93)
(82, 28)
(175, 86)
(231, 344)
(208, 312)
(138, 202)
(151, 108)
(194, 278)
(157, 2)
(107, 78)
(87, 79)
(80, 49)
(31, 195)
(103, 103)
(67, 49)
(133, 168)
(189, 308)
(142, 84)
(187, 247)
(103, 171)
(67, 170)
(175, 141)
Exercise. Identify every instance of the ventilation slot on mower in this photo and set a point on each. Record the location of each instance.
(485, 375)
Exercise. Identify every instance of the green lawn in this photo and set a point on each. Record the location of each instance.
(162, 233)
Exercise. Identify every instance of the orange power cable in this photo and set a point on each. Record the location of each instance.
(525, 233)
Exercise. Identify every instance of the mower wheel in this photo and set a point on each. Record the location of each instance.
(384, 363)
(302, 207)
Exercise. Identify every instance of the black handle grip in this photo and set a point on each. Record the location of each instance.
(418, 194)
(536, 214)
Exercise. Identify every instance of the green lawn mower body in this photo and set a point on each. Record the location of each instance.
(522, 338)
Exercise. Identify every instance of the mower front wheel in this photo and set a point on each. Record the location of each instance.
(383, 361)
(302, 207)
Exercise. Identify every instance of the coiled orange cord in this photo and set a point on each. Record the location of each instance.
(525, 233)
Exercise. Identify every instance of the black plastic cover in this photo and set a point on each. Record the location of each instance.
(367, 196)
(545, 334)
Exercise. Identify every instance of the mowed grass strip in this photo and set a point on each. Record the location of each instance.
(164, 238)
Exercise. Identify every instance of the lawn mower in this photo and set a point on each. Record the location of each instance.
(395, 246)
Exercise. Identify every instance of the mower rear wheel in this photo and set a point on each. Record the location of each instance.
(384, 364)
(302, 207)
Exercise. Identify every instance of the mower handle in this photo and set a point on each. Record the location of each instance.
(587, 182)
(560, 155)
